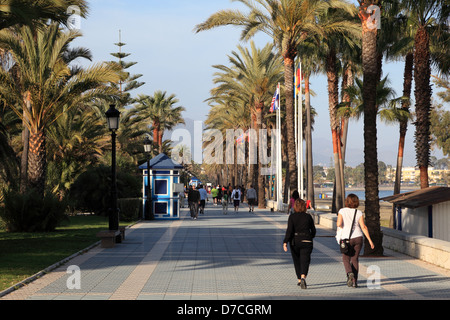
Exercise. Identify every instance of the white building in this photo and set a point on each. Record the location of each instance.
(424, 212)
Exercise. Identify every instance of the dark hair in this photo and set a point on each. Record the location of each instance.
(295, 195)
(352, 201)
(300, 205)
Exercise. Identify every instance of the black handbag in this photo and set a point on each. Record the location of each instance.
(344, 244)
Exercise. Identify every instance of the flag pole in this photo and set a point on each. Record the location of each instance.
(300, 136)
(279, 160)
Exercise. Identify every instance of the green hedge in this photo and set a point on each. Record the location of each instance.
(29, 212)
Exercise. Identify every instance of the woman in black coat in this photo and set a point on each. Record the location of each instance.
(300, 234)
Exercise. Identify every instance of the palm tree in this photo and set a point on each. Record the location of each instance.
(371, 76)
(402, 48)
(253, 74)
(288, 23)
(26, 12)
(337, 38)
(77, 140)
(430, 19)
(310, 58)
(42, 57)
(160, 112)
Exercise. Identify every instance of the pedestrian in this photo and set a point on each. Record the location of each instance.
(300, 233)
(194, 201)
(351, 220)
(295, 196)
(214, 193)
(203, 197)
(219, 194)
(229, 191)
(236, 196)
(225, 203)
(243, 194)
(251, 198)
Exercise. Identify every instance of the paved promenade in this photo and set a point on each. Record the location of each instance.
(229, 257)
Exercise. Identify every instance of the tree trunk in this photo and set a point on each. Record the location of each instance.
(309, 151)
(289, 88)
(37, 162)
(407, 86)
(333, 98)
(423, 103)
(370, 70)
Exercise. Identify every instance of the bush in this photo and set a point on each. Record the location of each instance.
(29, 212)
(91, 192)
(130, 209)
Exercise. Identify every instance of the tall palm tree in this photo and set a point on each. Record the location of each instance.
(42, 57)
(309, 55)
(160, 112)
(288, 23)
(402, 49)
(254, 73)
(370, 75)
(430, 17)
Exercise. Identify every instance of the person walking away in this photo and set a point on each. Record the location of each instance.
(225, 204)
(229, 191)
(345, 218)
(219, 194)
(251, 198)
(236, 196)
(243, 194)
(203, 197)
(194, 201)
(295, 196)
(300, 233)
(214, 193)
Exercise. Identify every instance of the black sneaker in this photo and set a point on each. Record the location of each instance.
(303, 283)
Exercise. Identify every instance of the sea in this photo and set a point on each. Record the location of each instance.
(360, 193)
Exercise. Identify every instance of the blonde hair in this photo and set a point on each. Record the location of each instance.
(299, 205)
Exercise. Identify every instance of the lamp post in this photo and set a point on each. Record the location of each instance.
(113, 117)
(148, 148)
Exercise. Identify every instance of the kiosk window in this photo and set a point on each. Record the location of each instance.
(161, 187)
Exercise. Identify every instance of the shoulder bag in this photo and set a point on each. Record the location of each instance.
(344, 244)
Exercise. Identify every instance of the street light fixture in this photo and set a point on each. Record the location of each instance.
(148, 148)
(113, 118)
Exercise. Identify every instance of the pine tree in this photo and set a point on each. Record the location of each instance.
(127, 82)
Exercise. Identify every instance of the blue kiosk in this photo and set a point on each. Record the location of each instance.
(165, 187)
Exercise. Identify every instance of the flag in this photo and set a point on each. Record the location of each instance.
(298, 80)
(275, 105)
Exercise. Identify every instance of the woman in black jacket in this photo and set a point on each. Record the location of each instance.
(299, 234)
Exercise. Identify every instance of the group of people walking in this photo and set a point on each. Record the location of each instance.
(301, 231)
(197, 199)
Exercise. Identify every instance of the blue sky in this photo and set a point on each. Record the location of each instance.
(159, 35)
